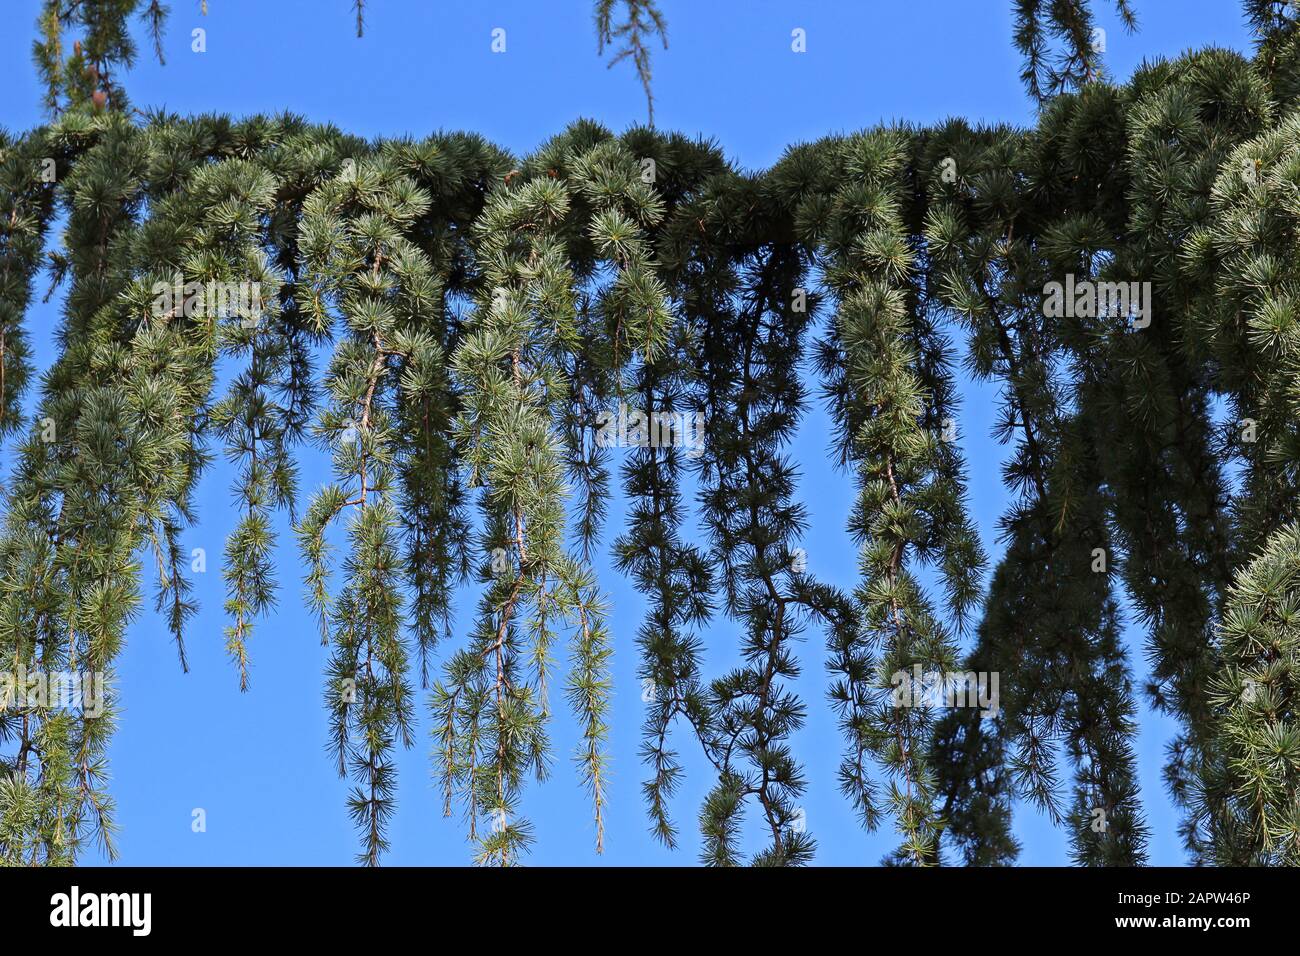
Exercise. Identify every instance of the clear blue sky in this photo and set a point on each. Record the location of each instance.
(256, 762)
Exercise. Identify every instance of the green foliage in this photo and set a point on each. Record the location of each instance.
(488, 318)
(633, 36)
(1059, 44)
(1250, 788)
(101, 45)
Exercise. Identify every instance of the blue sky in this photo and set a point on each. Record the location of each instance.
(256, 762)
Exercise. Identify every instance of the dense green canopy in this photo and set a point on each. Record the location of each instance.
(485, 310)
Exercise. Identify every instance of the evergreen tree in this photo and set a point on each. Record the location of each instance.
(489, 318)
